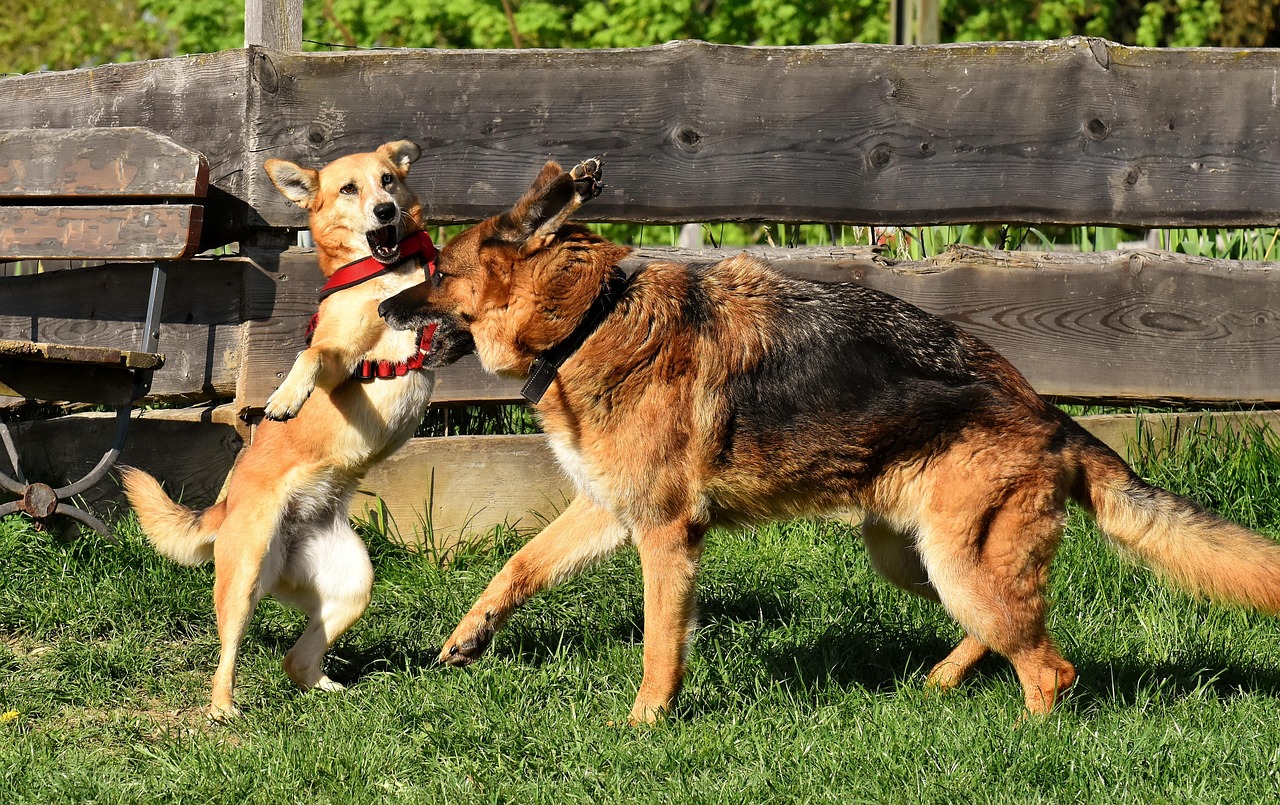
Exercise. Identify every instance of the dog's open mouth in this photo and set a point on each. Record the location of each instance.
(384, 243)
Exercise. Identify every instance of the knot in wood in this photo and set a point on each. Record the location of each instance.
(879, 156)
(689, 138)
(1096, 129)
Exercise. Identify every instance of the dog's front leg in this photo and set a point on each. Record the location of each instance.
(669, 561)
(582, 535)
(314, 366)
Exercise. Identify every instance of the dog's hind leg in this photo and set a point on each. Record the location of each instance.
(243, 568)
(992, 579)
(894, 556)
(329, 577)
(582, 535)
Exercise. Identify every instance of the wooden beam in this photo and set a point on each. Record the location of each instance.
(1072, 131)
(124, 162)
(464, 486)
(1137, 326)
(1076, 131)
(190, 449)
(115, 232)
(460, 485)
(275, 24)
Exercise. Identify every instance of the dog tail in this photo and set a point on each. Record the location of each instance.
(1189, 546)
(176, 532)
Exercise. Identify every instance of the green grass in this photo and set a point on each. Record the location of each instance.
(805, 681)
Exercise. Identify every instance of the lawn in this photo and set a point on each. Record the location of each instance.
(805, 682)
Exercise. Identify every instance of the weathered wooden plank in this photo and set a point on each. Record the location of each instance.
(81, 355)
(66, 382)
(1073, 131)
(462, 485)
(200, 319)
(273, 24)
(107, 162)
(1133, 325)
(114, 232)
(197, 101)
(1162, 431)
(190, 449)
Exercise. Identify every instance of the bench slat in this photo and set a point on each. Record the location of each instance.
(116, 232)
(71, 373)
(125, 162)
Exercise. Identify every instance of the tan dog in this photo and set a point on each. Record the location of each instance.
(689, 396)
(282, 526)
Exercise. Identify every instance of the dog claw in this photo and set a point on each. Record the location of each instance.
(464, 652)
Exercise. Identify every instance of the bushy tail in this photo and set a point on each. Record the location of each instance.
(176, 532)
(1193, 548)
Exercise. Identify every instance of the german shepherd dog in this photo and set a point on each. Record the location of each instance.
(282, 527)
(695, 395)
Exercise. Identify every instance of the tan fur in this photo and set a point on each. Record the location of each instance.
(728, 393)
(281, 527)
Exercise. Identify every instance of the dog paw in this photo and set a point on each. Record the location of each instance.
(327, 685)
(222, 714)
(586, 178)
(645, 714)
(469, 640)
(285, 403)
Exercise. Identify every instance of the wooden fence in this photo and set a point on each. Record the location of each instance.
(1076, 131)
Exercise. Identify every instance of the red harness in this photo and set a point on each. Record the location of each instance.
(352, 274)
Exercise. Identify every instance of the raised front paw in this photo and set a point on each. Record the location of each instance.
(586, 178)
(469, 640)
(287, 401)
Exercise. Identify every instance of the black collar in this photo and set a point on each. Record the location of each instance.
(545, 365)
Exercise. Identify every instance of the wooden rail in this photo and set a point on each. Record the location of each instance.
(1076, 131)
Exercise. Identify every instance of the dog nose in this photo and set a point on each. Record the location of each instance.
(385, 212)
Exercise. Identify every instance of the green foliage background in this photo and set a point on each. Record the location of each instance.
(65, 34)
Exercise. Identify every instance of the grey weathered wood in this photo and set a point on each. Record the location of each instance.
(98, 162)
(190, 449)
(66, 381)
(273, 24)
(1073, 131)
(69, 373)
(198, 102)
(468, 485)
(1137, 326)
(106, 305)
(114, 232)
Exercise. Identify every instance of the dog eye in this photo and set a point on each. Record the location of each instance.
(387, 179)
(348, 189)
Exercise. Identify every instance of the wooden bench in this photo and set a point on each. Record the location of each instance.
(88, 195)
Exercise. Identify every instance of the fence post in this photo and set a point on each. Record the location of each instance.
(275, 24)
(913, 22)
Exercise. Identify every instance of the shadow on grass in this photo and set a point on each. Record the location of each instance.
(1129, 682)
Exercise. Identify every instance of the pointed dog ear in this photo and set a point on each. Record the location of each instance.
(298, 184)
(545, 207)
(401, 153)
